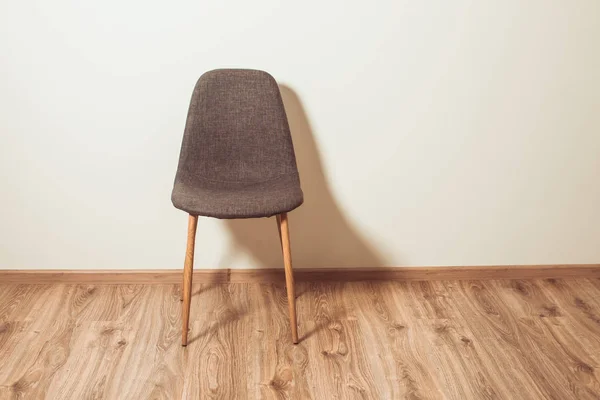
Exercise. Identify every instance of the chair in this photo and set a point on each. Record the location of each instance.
(237, 161)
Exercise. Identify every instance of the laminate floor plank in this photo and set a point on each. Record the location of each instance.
(469, 339)
(410, 346)
(16, 301)
(552, 349)
(495, 337)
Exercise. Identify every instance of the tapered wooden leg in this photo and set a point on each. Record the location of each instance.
(284, 234)
(279, 230)
(188, 268)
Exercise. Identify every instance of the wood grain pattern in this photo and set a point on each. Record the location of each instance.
(273, 275)
(446, 339)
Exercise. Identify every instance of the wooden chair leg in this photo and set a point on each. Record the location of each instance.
(188, 268)
(279, 230)
(284, 234)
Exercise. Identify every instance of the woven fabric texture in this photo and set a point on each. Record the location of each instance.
(237, 159)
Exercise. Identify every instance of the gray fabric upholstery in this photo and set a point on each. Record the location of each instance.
(237, 159)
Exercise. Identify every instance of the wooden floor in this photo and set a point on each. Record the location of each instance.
(503, 339)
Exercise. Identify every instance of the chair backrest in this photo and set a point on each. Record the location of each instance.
(236, 130)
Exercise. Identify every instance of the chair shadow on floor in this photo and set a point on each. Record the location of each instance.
(321, 235)
(229, 316)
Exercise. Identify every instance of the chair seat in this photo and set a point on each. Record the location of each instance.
(238, 199)
(237, 157)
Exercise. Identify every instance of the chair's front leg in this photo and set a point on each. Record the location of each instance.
(284, 235)
(188, 269)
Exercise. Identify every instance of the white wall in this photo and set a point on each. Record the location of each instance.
(428, 133)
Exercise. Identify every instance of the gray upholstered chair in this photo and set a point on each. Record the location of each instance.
(237, 161)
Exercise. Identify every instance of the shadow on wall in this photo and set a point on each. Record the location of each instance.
(321, 236)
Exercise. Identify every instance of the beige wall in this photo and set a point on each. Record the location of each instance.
(427, 133)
